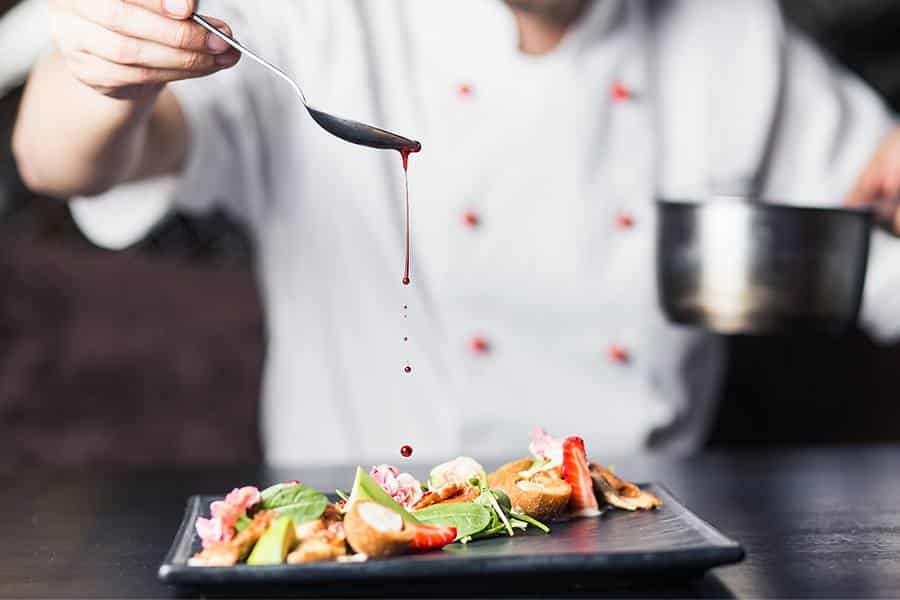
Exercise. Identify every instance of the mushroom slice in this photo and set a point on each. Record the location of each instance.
(451, 492)
(620, 493)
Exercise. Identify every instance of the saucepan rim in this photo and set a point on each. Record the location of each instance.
(767, 204)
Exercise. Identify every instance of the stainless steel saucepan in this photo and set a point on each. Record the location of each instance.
(736, 265)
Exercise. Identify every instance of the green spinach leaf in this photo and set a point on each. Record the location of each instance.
(468, 518)
(295, 500)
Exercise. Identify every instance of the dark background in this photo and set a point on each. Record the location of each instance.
(153, 355)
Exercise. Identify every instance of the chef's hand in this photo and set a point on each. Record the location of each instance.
(129, 49)
(70, 140)
(879, 185)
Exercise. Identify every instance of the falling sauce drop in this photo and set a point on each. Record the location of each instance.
(404, 154)
(406, 451)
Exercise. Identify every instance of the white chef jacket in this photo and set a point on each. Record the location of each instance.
(534, 298)
(24, 35)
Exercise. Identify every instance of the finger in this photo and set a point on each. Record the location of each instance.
(179, 9)
(125, 50)
(887, 214)
(108, 76)
(144, 24)
(891, 183)
(886, 211)
(867, 187)
(895, 229)
(881, 178)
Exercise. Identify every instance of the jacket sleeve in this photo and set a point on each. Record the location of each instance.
(229, 122)
(829, 126)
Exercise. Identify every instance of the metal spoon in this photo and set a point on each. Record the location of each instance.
(346, 129)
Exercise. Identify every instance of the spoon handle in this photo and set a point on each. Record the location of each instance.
(244, 50)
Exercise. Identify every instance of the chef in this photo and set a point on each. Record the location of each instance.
(548, 128)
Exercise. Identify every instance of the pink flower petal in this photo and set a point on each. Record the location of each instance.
(209, 530)
(402, 487)
(227, 513)
(409, 490)
(243, 498)
(543, 446)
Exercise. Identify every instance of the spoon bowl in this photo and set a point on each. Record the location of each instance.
(362, 134)
(346, 129)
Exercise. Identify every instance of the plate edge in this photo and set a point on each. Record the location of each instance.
(191, 511)
(715, 536)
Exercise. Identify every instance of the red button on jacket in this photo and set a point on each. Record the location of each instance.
(620, 92)
(624, 221)
(618, 354)
(479, 345)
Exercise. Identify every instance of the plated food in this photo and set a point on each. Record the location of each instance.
(389, 513)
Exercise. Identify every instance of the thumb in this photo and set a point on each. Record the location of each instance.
(867, 188)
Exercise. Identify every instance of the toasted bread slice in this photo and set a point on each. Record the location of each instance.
(376, 531)
(543, 495)
(509, 473)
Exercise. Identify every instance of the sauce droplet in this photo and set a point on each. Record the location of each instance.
(407, 369)
(406, 451)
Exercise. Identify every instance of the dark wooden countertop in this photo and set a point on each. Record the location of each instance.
(816, 522)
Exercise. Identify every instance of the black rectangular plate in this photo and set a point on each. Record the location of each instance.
(668, 541)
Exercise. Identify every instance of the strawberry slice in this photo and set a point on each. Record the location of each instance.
(430, 537)
(583, 502)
